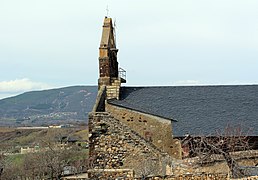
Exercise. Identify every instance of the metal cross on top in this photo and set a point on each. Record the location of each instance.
(107, 10)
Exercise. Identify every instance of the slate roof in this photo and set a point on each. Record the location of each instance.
(197, 110)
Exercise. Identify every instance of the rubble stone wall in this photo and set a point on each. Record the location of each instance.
(154, 129)
(114, 145)
(103, 174)
(203, 176)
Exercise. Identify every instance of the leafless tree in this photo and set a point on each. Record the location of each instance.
(1, 164)
(48, 163)
(9, 170)
(232, 139)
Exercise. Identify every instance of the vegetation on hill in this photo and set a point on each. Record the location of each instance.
(12, 139)
(54, 106)
(47, 153)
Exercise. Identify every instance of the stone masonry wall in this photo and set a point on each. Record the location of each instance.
(105, 174)
(152, 128)
(202, 176)
(114, 145)
(113, 90)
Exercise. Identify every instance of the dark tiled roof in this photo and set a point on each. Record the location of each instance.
(198, 110)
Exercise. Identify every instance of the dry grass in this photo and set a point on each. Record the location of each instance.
(6, 129)
(83, 134)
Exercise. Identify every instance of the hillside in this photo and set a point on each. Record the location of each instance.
(11, 139)
(54, 106)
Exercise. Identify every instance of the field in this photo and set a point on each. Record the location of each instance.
(6, 129)
(13, 139)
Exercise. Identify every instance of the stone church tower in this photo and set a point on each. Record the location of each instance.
(109, 74)
(120, 138)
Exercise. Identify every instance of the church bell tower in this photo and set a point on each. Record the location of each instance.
(109, 74)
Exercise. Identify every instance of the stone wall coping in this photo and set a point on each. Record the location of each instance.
(239, 155)
(203, 176)
(110, 170)
(100, 114)
(110, 102)
(99, 98)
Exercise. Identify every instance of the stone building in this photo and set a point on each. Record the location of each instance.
(137, 129)
(123, 138)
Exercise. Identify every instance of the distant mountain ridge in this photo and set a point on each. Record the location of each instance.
(53, 106)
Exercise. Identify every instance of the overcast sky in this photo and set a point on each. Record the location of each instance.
(54, 43)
